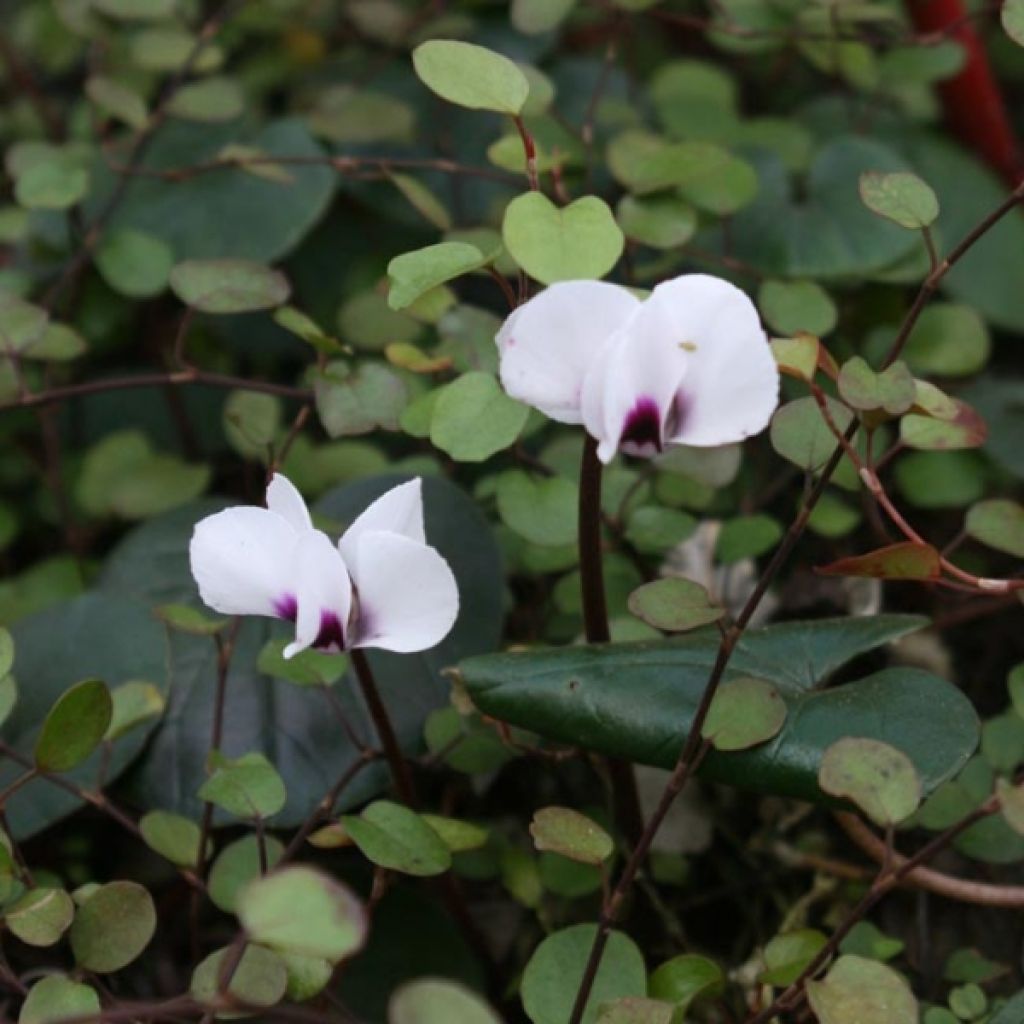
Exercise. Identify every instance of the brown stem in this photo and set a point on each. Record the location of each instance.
(192, 375)
(400, 774)
(963, 889)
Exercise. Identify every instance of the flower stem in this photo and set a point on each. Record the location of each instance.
(625, 798)
(400, 773)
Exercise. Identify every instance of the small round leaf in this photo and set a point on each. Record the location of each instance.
(878, 778)
(228, 286)
(112, 927)
(300, 910)
(744, 712)
(674, 604)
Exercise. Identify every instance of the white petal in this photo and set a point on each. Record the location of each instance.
(285, 500)
(242, 560)
(629, 394)
(324, 593)
(732, 386)
(408, 598)
(547, 345)
(399, 510)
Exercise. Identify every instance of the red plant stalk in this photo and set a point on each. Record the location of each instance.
(972, 101)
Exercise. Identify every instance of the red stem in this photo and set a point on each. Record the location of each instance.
(972, 100)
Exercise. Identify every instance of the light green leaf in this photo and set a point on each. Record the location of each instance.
(661, 222)
(436, 1001)
(41, 916)
(252, 423)
(570, 834)
(473, 418)
(471, 76)
(134, 263)
(791, 307)
(413, 274)
(685, 978)
(786, 955)
(674, 605)
(392, 836)
(112, 927)
(55, 998)
(172, 836)
(52, 185)
(236, 866)
(133, 703)
(901, 197)
(246, 787)
(357, 401)
(541, 509)
(856, 990)
(228, 286)
(210, 100)
(800, 434)
(948, 340)
(877, 777)
(552, 244)
(260, 979)
(744, 712)
(999, 523)
(300, 910)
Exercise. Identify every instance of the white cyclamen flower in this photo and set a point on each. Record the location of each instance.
(381, 586)
(688, 365)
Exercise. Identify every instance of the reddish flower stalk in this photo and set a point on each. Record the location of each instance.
(972, 100)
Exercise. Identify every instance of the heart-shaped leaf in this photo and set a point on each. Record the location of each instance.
(892, 390)
(674, 605)
(112, 927)
(551, 244)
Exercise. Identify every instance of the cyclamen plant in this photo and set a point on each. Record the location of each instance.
(666, 355)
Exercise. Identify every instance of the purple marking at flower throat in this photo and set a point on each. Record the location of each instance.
(643, 424)
(331, 634)
(286, 607)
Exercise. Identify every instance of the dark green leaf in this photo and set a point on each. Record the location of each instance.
(576, 696)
